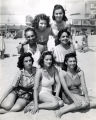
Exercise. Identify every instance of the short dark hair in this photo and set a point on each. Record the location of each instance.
(67, 56)
(30, 29)
(56, 7)
(60, 33)
(41, 60)
(20, 63)
(41, 17)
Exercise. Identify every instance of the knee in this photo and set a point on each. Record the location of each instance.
(85, 105)
(55, 104)
(79, 106)
(61, 103)
(17, 108)
(7, 106)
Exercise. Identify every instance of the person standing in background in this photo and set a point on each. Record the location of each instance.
(2, 46)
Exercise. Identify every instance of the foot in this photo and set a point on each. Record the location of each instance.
(58, 113)
(29, 107)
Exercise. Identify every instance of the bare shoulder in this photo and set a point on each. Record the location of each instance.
(62, 72)
(25, 47)
(81, 73)
(55, 69)
(39, 70)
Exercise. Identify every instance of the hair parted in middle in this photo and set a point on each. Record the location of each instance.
(41, 60)
(56, 7)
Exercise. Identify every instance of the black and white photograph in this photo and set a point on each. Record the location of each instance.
(47, 59)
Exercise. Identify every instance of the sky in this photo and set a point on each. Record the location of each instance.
(15, 11)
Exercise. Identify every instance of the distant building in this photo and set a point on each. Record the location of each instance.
(85, 23)
(14, 31)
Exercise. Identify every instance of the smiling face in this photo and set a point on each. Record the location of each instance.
(58, 15)
(64, 38)
(71, 63)
(42, 25)
(30, 36)
(27, 62)
(48, 61)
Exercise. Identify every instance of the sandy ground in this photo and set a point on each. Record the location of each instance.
(86, 62)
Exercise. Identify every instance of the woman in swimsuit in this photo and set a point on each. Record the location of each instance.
(46, 77)
(20, 93)
(74, 87)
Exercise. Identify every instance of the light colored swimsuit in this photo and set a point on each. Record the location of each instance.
(46, 84)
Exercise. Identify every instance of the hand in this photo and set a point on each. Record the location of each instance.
(57, 98)
(87, 101)
(35, 109)
(29, 107)
(77, 101)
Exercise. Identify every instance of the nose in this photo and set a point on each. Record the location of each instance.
(43, 25)
(29, 62)
(49, 61)
(73, 63)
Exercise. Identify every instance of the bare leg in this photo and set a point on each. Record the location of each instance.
(2, 54)
(8, 103)
(72, 106)
(3, 111)
(49, 101)
(65, 109)
(19, 105)
(92, 102)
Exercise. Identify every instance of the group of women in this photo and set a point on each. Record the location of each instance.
(46, 79)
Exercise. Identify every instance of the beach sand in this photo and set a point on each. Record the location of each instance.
(8, 68)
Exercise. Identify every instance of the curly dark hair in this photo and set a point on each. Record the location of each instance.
(41, 17)
(56, 7)
(30, 29)
(41, 60)
(67, 56)
(20, 63)
(60, 33)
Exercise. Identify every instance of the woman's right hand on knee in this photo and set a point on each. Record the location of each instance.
(77, 102)
(35, 109)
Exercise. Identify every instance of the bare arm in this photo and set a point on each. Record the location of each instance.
(11, 87)
(6, 93)
(58, 85)
(83, 84)
(64, 85)
(36, 89)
